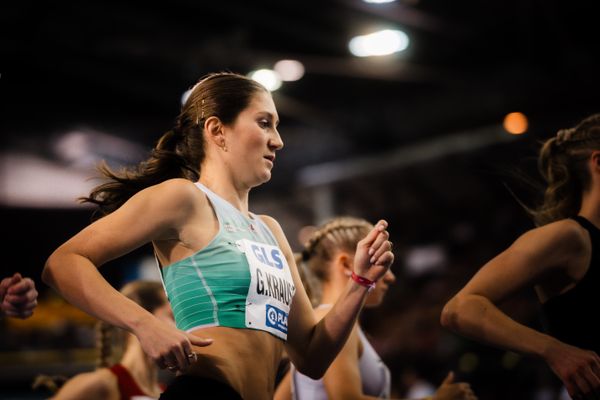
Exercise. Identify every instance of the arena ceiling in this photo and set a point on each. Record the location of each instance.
(115, 72)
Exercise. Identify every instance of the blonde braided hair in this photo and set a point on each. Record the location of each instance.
(105, 334)
(341, 233)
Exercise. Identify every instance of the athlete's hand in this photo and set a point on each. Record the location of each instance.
(168, 346)
(18, 296)
(578, 369)
(374, 255)
(450, 390)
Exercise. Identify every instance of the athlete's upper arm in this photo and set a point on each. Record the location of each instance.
(342, 380)
(152, 214)
(97, 385)
(301, 319)
(532, 256)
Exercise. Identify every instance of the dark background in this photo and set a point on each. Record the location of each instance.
(96, 71)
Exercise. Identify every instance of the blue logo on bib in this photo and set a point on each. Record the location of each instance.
(277, 318)
(272, 258)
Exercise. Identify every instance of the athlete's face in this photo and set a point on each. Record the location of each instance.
(376, 296)
(252, 140)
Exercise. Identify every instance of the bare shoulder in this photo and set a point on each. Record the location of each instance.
(563, 235)
(178, 190)
(277, 231)
(100, 384)
(561, 244)
(272, 224)
(173, 196)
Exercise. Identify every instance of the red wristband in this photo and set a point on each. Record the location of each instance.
(363, 281)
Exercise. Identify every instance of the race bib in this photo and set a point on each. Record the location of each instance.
(271, 288)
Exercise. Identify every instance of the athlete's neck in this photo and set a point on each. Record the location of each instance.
(332, 290)
(237, 196)
(590, 205)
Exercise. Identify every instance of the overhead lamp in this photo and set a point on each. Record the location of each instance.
(515, 123)
(289, 70)
(268, 78)
(379, 43)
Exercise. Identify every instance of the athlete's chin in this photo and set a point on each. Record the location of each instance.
(265, 176)
(262, 178)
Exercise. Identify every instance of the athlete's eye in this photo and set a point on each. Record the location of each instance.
(264, 123)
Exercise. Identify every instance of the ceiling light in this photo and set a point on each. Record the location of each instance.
(515, 123)
(268, 78)
(379, 43)
(289, 70)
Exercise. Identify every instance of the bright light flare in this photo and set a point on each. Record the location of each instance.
(379, 43)
(289, 70)
(515, 123)
(268, 78)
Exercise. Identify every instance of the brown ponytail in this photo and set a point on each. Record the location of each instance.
(563, 165)
(180, 151)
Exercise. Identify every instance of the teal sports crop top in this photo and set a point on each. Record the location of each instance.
(241, 279)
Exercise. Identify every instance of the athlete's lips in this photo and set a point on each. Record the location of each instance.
(270, 157)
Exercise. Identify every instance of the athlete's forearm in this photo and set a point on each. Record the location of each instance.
(332, 331)
(476, 317)
(81, 284)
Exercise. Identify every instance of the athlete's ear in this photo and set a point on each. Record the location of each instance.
(345, 263)
(213, 128)
(595, 161)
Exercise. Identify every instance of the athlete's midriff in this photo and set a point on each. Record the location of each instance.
(245, 359)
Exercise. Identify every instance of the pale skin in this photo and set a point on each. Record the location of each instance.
(342, 380)
(552, 259)
(102, 384)
(178, 219)
(18, 297)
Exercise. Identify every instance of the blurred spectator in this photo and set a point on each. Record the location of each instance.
(135, 376)
(559, 259)
(357, 372)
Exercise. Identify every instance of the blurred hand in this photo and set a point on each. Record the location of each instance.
(168, 346)
(578, 369)
(374, 255)
(18, 296)
(450, 390)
